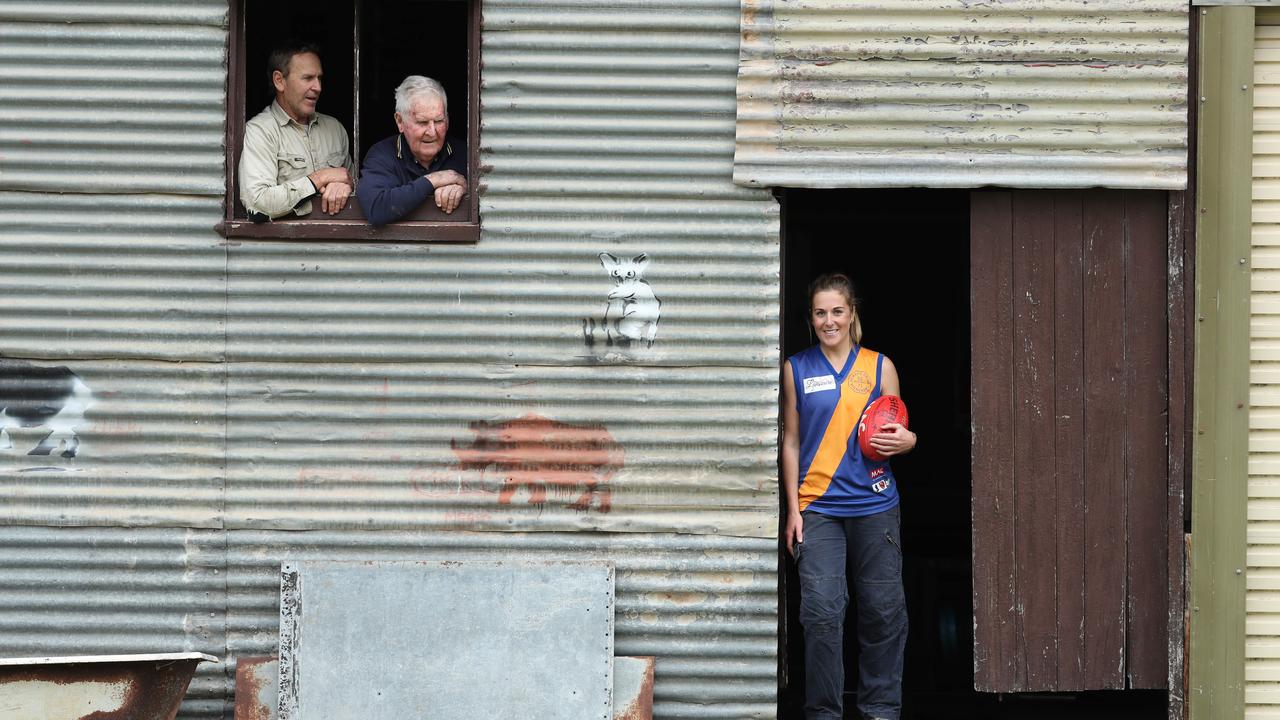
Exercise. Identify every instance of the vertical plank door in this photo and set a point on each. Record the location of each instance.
(1069, 395)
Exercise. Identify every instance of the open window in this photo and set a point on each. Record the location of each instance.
(367, 47)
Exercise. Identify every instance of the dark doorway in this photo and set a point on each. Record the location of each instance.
(907, 252)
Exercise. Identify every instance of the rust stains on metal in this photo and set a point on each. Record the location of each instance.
(633, 688)
(118, 687)
(257, 694)
(536, 454)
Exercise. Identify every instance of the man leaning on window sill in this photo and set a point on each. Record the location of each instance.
(291, 152)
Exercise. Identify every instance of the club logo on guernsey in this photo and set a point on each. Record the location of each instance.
(816, 384)
(860, 381)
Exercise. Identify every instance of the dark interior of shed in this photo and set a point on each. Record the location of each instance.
(907, 252)
(390, 41)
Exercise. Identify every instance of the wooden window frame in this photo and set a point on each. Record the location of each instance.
(425, 225)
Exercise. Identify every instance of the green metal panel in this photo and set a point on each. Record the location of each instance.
(1220, 454)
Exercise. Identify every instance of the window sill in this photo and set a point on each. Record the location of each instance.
(357, 230)
(424, 225)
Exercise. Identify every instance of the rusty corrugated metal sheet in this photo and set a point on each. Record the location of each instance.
(1022, 93)
(704, 606)
(106, 99)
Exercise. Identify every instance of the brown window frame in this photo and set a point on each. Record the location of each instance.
(425, 225)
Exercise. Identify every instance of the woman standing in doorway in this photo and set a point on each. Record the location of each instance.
(842, 508)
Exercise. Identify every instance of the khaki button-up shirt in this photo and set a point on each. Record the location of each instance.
(278, 156)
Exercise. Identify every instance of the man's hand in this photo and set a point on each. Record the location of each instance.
(440, 178)
(324, 176)
(448, 197)
(335, 195)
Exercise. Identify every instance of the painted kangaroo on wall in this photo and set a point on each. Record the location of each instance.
(38, 396)
(631, 310)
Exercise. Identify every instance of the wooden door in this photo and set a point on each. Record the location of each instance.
(1070, 400)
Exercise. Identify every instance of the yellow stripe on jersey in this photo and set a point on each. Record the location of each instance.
(855, 392)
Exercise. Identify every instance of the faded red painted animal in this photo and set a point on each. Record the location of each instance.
(539, 454)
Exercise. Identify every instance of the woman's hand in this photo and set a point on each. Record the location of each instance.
(893, 439)
(794, 532)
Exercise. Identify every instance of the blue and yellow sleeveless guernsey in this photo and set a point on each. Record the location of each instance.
(835, 477)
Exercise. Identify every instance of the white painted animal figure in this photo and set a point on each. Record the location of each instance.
(632, 311)
(33, 396)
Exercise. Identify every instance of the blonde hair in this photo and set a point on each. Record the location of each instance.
(838, 282)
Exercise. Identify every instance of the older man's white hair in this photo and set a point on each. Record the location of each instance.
(416, 86)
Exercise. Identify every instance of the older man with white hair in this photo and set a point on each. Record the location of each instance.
(423, 161)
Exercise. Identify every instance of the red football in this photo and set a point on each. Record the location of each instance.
(885, 409)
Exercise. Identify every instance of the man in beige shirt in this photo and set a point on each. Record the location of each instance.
(291, 152)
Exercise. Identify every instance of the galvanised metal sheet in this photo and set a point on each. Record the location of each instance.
(447, 639)
(143, 445)
(106, 591)
(265, 387)
(111, 276)
(1262, 582)
(107, 100)
(1021, 93)
(186, 12)
(495, 386)
(605, 130)
(705, 606)
(502, 447)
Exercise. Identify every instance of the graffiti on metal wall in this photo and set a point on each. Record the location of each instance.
(631, 310)
(42, 398)
(534, 456)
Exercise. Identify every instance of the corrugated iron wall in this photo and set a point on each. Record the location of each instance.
(1262, 601)
(390, 400)
(1021, 93)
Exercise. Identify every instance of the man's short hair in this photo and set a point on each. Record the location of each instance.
(282, 55)
(416, 86)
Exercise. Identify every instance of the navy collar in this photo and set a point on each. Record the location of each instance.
(445, 151)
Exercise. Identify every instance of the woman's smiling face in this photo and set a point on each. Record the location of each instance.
(831, 317)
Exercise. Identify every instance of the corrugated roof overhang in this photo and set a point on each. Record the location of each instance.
(1019, 93)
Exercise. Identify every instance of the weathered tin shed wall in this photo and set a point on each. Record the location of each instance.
(385, 398)
(1021, 93)
(456, 386)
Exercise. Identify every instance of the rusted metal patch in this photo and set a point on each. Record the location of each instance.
(257, 687)
(632, 688)
(109, 687)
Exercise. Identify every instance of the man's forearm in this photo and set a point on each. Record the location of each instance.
(277, 200)
(384, 204)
